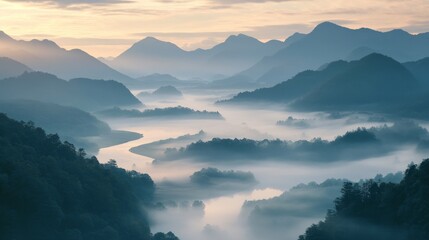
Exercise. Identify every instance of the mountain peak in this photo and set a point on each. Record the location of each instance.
(376, 56)
(241, 38)
(4, 36)
(294, 37)
(154, 43)
(327, 26)
(399, 32)
(150, 39)
(45, 42)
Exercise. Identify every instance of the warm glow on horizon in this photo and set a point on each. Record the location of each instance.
(107, 27)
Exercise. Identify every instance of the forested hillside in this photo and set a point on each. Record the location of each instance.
(379, 210)
(51, 191)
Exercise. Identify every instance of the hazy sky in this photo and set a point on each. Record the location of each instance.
(107, 27)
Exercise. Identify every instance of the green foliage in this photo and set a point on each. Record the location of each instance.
(379, 210)
(48, 190)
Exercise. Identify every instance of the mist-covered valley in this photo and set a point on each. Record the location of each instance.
(224, 198)
(307, 138)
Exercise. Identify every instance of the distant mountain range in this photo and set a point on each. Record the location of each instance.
(373, 82)
(11, 68)
(242, 60)
(47, 56)
(150, 56)
(239, 62)
(82, 93)
(330, 42)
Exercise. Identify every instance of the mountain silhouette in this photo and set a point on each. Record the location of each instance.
(11, 68)
(83, 93)
(373, 81)
(330, 42)
(151, 56)
(167, 91)
(420, 70)
(73, 125)
(47, 56)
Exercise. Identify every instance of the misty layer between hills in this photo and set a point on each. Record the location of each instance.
(82, 93)
(289, 214)
(353, 145)
(375, 83)
(71, 124)
(178, 112)
(206, 184)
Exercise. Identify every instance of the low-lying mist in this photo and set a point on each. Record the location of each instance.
(221, 217)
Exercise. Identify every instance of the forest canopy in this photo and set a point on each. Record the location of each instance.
(50, 190)
(375, 210)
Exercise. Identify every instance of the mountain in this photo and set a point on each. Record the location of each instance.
(354, 145)
(374, 80)
(375, 210)
(71, 124)
(420, 70)
(11, 68)
(51, 191)
(167, 91)
(298, 207)
(164, 93)
(329, 42)
(47, 56)
(150, 56)
(83, 93)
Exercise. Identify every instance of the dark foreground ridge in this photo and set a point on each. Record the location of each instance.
(379, 210)
(51, 191)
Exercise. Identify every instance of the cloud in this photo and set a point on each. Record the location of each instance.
(66, 3)
(286, 216)
(228, 2)
(417, 26)
(354, 145)
(293, 122)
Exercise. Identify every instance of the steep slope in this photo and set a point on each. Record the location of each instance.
(238, 52)
(11, 68)
(73, 125)
(374, 210)
(51, 191)
(329, 42)
(288, 215)
(82, 93)
(296, 87)
(374, 81)
(150, 56)
(47, 56)
(66, 121)
(420, 69)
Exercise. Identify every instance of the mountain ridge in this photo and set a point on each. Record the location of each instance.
(45, 55)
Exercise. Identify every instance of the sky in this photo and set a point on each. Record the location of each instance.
(106, 28)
